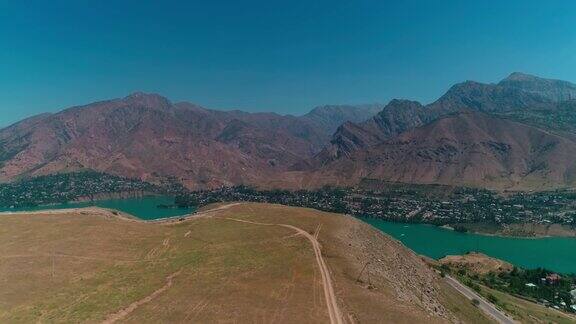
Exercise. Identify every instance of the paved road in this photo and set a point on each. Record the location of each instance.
(331, 301)
(485, 306)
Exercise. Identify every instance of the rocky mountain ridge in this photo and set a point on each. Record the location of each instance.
(365, 149)
(146, 136)
(515, 134)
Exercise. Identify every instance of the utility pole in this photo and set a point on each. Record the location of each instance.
(362, 271)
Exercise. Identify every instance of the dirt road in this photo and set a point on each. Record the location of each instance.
(132, 307)
(205, 213)
(331, 301)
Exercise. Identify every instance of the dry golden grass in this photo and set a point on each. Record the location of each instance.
(87, 267)
(477, 263)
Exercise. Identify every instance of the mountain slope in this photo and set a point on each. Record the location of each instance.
(510, 96)
(522, 103)
(227, 267)
(466, 148)
(395, 118)
(332, 116)
(555, 90)
(146, 136)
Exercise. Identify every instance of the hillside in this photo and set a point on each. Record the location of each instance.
(515, 95)
(519, 292)
(476, 263)
(146, 136)
(330, 117)
(225, 265)
(467, 148)
(517, 134)
(555, 90)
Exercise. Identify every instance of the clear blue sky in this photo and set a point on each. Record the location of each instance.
(266, 55)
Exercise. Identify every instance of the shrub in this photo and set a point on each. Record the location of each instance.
(493, 299)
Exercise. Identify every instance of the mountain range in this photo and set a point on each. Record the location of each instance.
(146, 136)
(518, 134)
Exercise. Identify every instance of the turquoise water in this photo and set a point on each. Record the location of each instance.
(144, 208)
(554, 253)
(558, 254)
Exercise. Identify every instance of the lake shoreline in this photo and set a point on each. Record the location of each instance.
(114, 196)
(518, 230)
(425, 239)
(555, 253)
(521, 231)
(495, 230)
(107, 212)
(145, 207)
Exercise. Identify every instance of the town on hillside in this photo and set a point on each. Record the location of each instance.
(412, 204)
(433, 204)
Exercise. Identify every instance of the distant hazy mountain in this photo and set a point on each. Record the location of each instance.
(396, 117)
(330, 117)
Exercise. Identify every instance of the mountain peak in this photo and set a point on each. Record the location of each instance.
(330, 117)
(520, 76)
(351, 109)
(555, 90)
(151, 100)
(403, 103)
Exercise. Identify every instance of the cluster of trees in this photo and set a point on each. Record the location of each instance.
(66, 187)
(410, 203)
(325, 199)
(534, 285)
(438, 205)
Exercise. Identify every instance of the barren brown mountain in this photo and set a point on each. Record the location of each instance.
(517, 93)
(517, 134)
(146, 136)
(467, 148)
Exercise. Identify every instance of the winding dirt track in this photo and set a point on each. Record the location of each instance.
(331, 301)
(334, 311)
(132, 307)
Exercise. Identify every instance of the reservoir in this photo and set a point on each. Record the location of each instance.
(554, 253)
(146, 208)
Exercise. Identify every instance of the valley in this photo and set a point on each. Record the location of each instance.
(338, 162)
(486, 168)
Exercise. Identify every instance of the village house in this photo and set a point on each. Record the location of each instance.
(553, 279)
